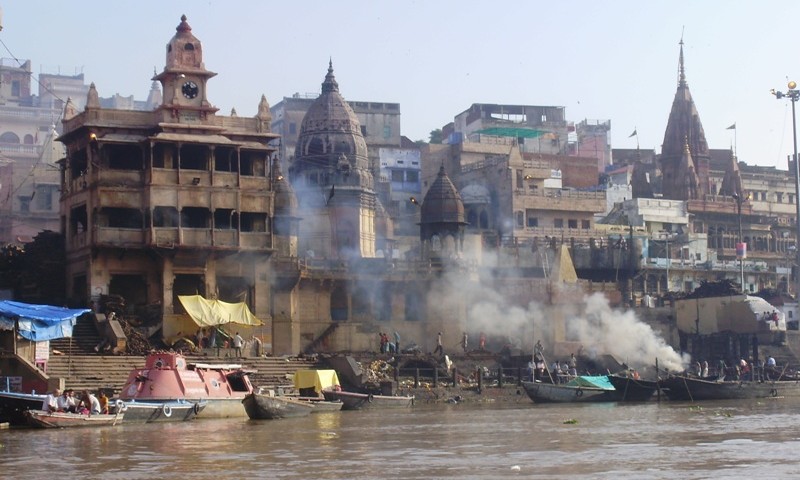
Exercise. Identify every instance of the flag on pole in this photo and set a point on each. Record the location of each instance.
(633, 134)
(330, 195)
(732, 127)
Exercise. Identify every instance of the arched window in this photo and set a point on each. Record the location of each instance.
(28, 139)
(315, 147)
(188, 46)
(472, 219)
(484, 220)
(9, 137)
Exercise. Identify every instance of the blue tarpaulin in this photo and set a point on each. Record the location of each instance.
(39, 322)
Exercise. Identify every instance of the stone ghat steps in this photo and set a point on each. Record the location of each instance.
(84, 338)
(87, 371)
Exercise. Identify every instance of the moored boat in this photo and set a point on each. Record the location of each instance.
(13, 406)
(581, 389)
(269, 407)
(167, 377)
(42, 419)
(358, 401)
(681, 387)
(311, 383)
(633, 389)
(152, 412)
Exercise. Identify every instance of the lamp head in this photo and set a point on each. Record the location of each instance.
(792, 85)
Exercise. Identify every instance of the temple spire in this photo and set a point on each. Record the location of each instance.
(681, 68)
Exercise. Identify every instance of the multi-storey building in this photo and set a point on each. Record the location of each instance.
(719, 203)
(172, 201)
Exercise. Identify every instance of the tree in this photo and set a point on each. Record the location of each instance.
(436, 136)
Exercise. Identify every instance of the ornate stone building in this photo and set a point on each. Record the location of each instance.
(176, 200)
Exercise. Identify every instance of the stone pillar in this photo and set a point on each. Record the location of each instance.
(285, 330)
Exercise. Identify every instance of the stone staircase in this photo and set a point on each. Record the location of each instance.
(82, 371)
(84, 338)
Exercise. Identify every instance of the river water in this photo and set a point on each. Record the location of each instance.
(465, 441)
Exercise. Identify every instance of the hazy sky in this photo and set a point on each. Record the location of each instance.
(612, 60)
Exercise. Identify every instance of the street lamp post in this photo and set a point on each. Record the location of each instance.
(740, 243)
(793, 94)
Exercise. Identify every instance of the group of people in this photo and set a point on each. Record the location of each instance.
(208, 339)
(762, 370)
(67, 402)
(386, 345)
(560, 371)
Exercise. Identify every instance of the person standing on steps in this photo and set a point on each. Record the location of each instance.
(238, 341)
(439, 348)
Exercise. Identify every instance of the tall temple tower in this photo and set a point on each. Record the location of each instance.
(685, 156)
(333, 181)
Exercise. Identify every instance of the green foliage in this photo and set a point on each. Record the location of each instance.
(436, 136)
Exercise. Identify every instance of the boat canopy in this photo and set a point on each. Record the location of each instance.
(318, 379)
(39, 322)
(592, 381)
(211, 313)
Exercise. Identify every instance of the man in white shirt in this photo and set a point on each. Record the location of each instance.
(66, 402)
(50, 403)
(238, 341)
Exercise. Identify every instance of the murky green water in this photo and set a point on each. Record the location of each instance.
(667, 440)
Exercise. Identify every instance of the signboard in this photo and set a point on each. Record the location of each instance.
(11, 384)
(741, 250)
(42, 351)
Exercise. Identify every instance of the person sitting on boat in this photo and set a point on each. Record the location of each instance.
(90, 404)
(50, 403)
(771, 361)
(103, 401)
(66, 402)
(704, 370)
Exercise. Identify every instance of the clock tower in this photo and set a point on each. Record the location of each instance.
(184, 79)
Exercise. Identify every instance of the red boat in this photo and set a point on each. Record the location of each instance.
(167, 376)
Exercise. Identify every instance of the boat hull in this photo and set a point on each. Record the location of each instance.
(14, 405)
(42, 419)
(154, 412)
(264, 407)
(558, 393)
(358, 401)
(692, 389)
(321, 405)
(632, 390)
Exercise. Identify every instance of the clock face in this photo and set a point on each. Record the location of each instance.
(190, 90)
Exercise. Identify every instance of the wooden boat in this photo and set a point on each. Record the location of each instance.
(152, 412)
(42, 419)
(267, 407)
(13, 406)
(167, 377)
(633, 390)
(681, 387)
(311, 383)
(321, 405)
(578, 390)
(357, 401)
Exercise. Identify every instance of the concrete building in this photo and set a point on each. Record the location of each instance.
(696, 204)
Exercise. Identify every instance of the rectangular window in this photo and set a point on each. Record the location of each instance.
(292, 128)
(519, 179)
(558, 223)
(520, 219)
(412, 177)
(779, 197)
(397, 175)
(585, 224)
(530, 214)
(387, 132)
(572, 223)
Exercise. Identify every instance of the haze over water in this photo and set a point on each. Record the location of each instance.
(648, 440)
